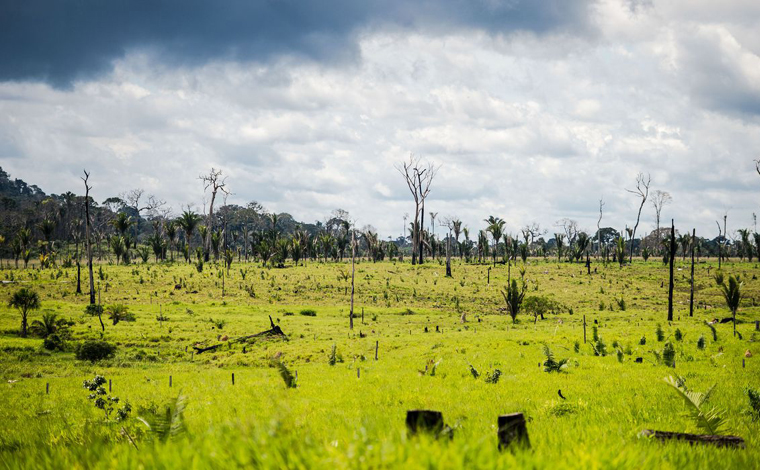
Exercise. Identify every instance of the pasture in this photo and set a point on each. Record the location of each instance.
(347, 409)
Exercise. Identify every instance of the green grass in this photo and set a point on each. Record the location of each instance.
(334, 419)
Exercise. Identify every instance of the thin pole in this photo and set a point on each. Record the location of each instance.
(691, 295)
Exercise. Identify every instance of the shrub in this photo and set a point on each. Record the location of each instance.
(701, 342)
(307, 312)
(669, 355)
(93, 350)
(659, 333)
(679, 335)
(53, 342)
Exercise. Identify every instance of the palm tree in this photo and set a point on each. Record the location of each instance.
(25, 300)
(733, 295)
(560, 238)
(456, 226)
(171, 234)
(122, 222)
(495, 228)
(49, 324)
(47, 227)
(188, 221)
(117, 246)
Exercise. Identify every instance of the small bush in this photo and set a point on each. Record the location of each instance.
(53, 342)
(701, 342)
(659, 333)
(679, 335)
(408, 311)
(95, 350)
(307, 312)
(669, 355)
(643, 340)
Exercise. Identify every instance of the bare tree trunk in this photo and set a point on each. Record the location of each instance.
(671, 259)
(353, 272)
(87, 235)
(420, 231)
(448, 255)
(691, 294)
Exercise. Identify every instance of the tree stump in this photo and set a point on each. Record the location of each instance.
(424, 421)
(512, 429)
(718, 441)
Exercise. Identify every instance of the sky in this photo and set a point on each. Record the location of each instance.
(532, 110)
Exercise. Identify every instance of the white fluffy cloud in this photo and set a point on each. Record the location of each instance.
(526, 127)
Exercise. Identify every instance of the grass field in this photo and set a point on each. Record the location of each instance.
(351, 414)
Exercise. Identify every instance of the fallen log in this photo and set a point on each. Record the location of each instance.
(707, 439)
(275, 330)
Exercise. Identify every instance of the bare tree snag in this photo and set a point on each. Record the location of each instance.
(216, 182)
(671, 259)
(273, 331)
(642, 190)
(353, 274)
(88, 226)
(691, 293)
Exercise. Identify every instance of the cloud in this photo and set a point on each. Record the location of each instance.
(61, 42)
(531, 126)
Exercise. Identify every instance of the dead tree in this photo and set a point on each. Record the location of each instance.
(353, 273)
(691, 293)
(659, 200)
(671, 258)
(599, 229)
(88, 225)
(418, 180)
(275, 330)
(216, 183)
(642, 191)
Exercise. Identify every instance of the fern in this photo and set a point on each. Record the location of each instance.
(551, 364)
(754, 403)
(287, 376)
(170, 424)
(710, 421)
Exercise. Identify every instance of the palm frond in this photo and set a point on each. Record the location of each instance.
(287, 376)
(711, 421)
(170, 424)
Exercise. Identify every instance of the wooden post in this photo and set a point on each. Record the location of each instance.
(489, 275)
(419, 421)
(512, 429)
(757, 325)
(109, 385)
(584, 329)
(362, 315)
(233, 378)
(672, 259)
(358, 373)
(691, 294)
(47, 388)
(377, 345)
(170, 381)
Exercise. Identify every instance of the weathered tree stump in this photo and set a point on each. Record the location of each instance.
(718, 441)
(424, 421)
(513, 430)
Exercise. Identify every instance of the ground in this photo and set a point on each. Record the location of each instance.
(351, 414)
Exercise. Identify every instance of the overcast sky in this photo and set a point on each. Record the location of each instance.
(533, 110)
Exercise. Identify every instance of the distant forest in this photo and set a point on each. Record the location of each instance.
(48, 230)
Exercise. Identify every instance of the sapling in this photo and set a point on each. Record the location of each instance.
(103, 401)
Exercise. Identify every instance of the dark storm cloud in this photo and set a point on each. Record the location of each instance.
(59, 41)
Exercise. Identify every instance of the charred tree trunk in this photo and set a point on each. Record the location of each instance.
(670, 260)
